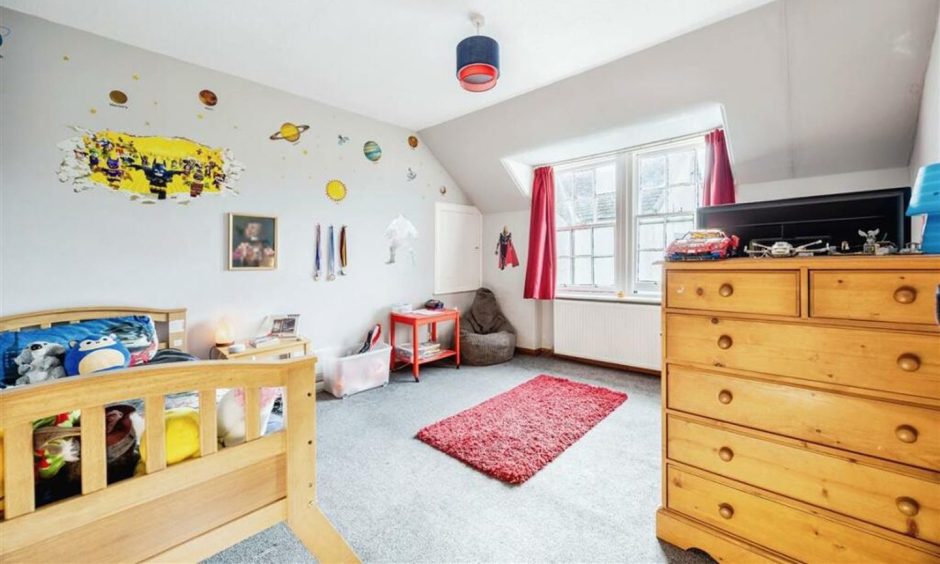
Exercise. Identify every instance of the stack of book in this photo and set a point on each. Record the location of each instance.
(425, 350)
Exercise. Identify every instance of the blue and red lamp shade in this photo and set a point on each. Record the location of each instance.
(478, 63)
(925, 199)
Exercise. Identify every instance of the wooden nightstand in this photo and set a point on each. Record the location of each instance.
(286, 348)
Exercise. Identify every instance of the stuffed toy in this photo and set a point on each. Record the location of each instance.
(182, 435)
(38, 362)
(56, 441)
(96, 355)
(230, 418)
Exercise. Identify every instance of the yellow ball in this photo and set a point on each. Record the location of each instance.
(182, 435)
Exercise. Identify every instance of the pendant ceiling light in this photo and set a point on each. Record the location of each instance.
(477, 60)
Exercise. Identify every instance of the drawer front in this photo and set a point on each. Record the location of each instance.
(898, 502)
(899, 297)
(907, 363)
(785, 529)
(770, 293)
(897, 432)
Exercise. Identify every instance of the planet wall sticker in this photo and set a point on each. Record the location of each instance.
(372, 151)
(117, 97)
(208, 98)
(413, 142)
(335, 190)
(289, 132)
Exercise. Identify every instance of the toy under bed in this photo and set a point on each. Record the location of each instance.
(179, 512)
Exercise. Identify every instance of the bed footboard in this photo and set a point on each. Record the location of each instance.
(183, 512)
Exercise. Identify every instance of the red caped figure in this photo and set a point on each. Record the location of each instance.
(505, 250)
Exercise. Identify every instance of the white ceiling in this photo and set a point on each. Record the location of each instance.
(392, 60)
(806, 88)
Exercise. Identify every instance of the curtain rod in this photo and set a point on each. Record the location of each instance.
(626, 149)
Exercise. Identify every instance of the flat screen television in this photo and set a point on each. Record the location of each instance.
(833, 218)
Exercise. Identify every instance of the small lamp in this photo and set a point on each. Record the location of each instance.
(223, 334)
(925, 199)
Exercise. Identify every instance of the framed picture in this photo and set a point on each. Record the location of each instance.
(280, 325)
(252, 242)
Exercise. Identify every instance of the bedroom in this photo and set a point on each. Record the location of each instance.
(200, 179)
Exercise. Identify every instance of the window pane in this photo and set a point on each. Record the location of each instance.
(564, 272)
(677, 228)
(565, 187)
(652, 173)
(647, 271)
(564, 214)
(583, 211)
(606, 207)
(582, 271)
(649, 234)
(604, 271)
(682, 199)
(582, 242)
(652, 201)
(604, 242)
(584, 184)
(563, 243)
(605, 179)
(680, 167)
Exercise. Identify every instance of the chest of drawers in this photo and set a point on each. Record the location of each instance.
(801, 409)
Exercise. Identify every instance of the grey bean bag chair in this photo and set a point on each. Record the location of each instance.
(486, 336)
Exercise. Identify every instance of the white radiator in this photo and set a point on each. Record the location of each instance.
(621, 333)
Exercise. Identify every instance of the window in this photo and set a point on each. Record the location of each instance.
(615, 216)
(586, 222)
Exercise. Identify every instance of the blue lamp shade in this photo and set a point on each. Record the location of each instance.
(478, 63)
(925, 199)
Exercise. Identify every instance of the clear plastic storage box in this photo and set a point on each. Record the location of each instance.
(359, 372)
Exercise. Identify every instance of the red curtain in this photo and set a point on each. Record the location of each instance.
(540, 266)
(719, 182)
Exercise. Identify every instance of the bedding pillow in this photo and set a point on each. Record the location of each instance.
(136, 332)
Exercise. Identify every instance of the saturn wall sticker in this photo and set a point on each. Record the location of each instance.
(289, 132)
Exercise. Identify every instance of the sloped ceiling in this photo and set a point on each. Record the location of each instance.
(392, 60)
(807, 87)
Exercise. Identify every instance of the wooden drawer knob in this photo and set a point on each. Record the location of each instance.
(725, 397)
(908, 506)
(905, 295)
(725, 453)
(726, 511)
(908, 362)
(906, 434)
(726, 290)
(725, 342)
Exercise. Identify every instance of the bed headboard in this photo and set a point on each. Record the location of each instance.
(170, 323)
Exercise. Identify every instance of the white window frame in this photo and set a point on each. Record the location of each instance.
(625, 223)
(619, 250)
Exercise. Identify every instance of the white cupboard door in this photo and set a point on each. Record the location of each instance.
(458, 257)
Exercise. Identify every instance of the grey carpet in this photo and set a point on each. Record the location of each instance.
(396, 499)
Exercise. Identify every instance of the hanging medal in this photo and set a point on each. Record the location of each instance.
(331, 257)
(342, 251)
(316, 266)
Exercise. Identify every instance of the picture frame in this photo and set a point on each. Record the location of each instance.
(252, 242)
(285, 325)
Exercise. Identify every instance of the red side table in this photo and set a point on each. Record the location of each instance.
(415, 321)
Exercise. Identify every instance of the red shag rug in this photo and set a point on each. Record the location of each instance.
(517, 433)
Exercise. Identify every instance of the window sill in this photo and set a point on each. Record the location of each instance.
(585, 297)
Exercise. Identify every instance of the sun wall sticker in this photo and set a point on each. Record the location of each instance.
(148, 168)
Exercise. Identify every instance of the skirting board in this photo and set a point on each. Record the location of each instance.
(602, 364)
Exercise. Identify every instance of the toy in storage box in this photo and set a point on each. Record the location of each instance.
(359, 372)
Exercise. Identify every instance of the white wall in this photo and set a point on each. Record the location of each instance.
(927, 142)
(822, 185)
(64, 249)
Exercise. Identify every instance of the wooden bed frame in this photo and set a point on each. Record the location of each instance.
(185, 512)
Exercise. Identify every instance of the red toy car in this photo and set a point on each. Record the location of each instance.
(704, 244)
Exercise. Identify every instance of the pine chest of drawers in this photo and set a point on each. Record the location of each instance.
(801, 409)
